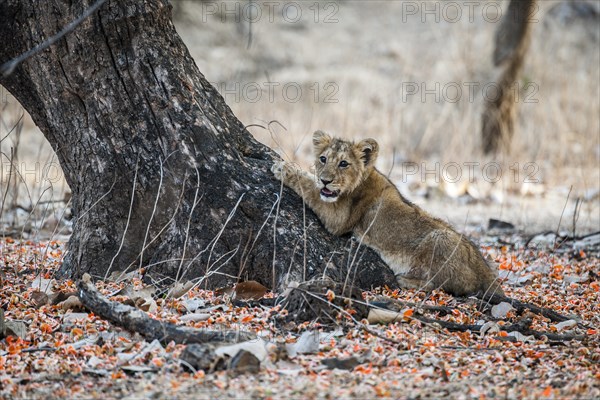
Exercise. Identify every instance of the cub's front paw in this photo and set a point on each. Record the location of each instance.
(285, 171)
(278, 170)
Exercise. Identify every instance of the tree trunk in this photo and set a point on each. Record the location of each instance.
(162, 173)
(512, 42)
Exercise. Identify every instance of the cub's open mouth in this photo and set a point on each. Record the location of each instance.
(328, 193)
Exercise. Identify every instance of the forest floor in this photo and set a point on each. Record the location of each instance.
(56, 349)
(63, 351)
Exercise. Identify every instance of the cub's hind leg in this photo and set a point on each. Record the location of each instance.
(407, 282)
(452, 263)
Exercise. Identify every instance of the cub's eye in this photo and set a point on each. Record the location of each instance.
(344, 164)
(323, 159)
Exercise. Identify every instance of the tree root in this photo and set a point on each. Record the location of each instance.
(398, 305)
(302, 307)
(484, 301)
(521, 306)
(135, 320)
(522, 327)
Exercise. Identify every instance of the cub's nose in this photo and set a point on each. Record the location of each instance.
(325, 182)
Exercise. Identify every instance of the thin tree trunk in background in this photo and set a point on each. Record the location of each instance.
(162, 173)
(512, 42)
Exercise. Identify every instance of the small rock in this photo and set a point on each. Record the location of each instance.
(201, 357)
(71, 319)
(147, 304)
(93, 362)
(257, 347)
(191, 305)
(39, 299)
(15, 328)
(500, 225)
(72, 303)
(179, 289)
(307, 343)
(489, 327)
(565, 325)
(43, 285)
(244, 362)
(577, 278)
(379, 316)
(501, 310)
(346, 363)
(11, 328)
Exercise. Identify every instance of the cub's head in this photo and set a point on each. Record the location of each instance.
(341, 165)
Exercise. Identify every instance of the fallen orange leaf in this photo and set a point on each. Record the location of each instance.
(158, 362)
(248, 318)
(364, 369)
(504, 266)
(219, 384)
(394, 363)
(558, 268)
(330, 295)
(381, 390)
(46, 328)
(14, 348)
(199, 374)
(117, 375)
(77, 331)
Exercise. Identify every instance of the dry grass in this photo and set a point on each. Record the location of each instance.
(369, 58)
(372, 57)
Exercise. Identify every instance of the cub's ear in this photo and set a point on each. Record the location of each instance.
(320, 141)
(368, 150)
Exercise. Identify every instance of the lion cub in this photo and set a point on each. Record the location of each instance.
(349, 195)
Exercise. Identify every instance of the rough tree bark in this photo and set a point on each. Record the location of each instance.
(134, 122)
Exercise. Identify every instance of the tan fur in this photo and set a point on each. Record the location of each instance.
(424, 252)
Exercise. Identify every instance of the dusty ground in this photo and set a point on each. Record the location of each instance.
(67, 353)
